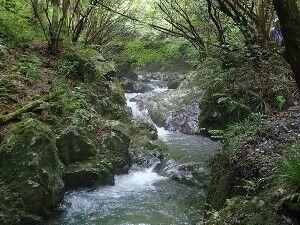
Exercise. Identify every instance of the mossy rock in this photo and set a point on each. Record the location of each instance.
(74, 147)
(88, 69)
(143, 128)
(79, 68)
(220, 181)
(12, 210)
(87, 175)
(30, 167)
(158, 116)
(115, 143)
(104, 68)
(11, 88)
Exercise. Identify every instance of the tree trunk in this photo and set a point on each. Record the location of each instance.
(289, 16)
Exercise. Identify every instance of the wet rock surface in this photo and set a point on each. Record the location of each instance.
(168, 105)
(72, 147)
(176, 110)
(87, 175)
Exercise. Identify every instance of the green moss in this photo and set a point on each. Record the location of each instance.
(142, 128)
(115, 144)
(76, 67)
(90, 174)
(157, 114)
(218, 191)
(30, 166)
(10, 88)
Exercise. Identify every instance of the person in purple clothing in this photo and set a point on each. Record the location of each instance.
(275, 32)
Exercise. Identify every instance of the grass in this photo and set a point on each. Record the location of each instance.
(30, 67)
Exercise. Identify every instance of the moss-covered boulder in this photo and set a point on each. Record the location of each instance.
(115, 144)
(88, 175)
(30, 172)
(82, 68)
(73, 147)
(142, 127)
(157, 114)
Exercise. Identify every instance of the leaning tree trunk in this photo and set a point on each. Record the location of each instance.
(289, 16)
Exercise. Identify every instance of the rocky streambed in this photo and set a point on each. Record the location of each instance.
(167, 182)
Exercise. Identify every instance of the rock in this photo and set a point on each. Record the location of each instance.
(175, 83)
(30, 169)
(87, 175)
(142, 127)
(158, 116)
(125, 70)
(136, 86)
(115, 144)
(72, 147)
(176, 110)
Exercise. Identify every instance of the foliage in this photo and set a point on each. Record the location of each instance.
(287, 178)
(240, 210)
(30, 67)
(10, 87)
(280, 189)
(241, 86)
(290, 168)
(159, 54)
(15, 27)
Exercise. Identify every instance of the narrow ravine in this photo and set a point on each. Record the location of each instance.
(143, 196)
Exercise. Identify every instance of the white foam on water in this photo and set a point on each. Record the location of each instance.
(86, 202)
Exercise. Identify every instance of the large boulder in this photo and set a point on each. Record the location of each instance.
(115, 144)
(73, 147)
(142, 127)
(30, 172)
(87, 175)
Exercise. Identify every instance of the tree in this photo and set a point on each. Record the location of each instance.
(289, 17)
(103, 25)
(79, 17)
(51, 15)
(179, 15)
(214, 15)
(254, 18)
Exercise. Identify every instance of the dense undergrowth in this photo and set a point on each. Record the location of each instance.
(158, 54)
(239, 84)
(256, 174)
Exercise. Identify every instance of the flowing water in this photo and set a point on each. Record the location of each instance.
(143, 196)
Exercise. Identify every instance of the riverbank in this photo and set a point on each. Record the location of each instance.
(166, 185)
(64, 125)
(255, 176)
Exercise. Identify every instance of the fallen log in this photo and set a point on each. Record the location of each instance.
(29, 107)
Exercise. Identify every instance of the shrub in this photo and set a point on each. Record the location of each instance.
(235, 90)
(158, 54)
(14, 25)
(30, 67)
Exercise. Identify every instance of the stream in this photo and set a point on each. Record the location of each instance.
(144, 197)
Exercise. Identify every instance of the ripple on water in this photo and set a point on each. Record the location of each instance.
(143, 197)
(140, 197)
